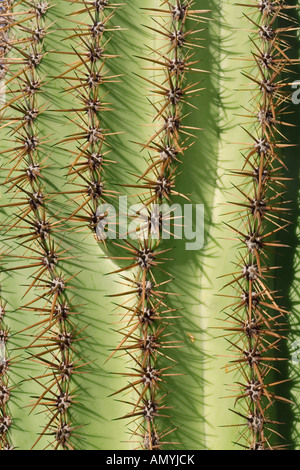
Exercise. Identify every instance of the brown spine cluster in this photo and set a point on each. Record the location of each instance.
(31, 226)
(86, 78)
(5, 11)
(146, 315)
(256, 321)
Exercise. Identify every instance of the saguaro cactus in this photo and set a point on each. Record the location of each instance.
(115, 326)
(262, 214)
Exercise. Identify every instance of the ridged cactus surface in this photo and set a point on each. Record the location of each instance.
(149, 190)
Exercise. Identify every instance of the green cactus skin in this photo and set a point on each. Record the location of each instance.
(199, 398)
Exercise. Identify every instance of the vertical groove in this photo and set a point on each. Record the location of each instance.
(147, 336)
